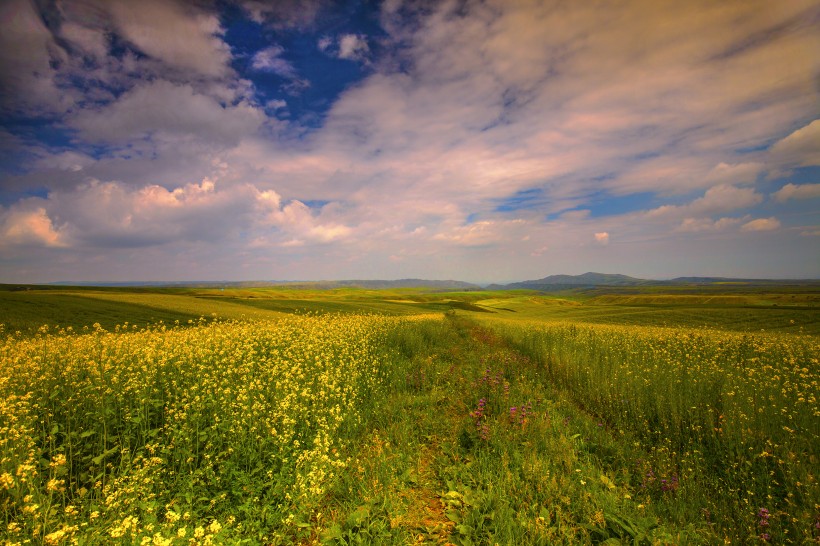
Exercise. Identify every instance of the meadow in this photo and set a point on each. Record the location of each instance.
(351, 416)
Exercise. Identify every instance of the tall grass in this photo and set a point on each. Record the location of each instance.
(395, 430)
(730, 423)
(210, 433)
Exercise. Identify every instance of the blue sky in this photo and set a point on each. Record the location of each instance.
(481, 140)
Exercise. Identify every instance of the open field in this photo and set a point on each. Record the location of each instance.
(772, 309)
(408, 416)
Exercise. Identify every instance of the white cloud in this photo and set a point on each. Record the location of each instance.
(163, 107)
(695, 225)
(467, 111)
(270, 60)
(481, 233)
(353, 47)
(178, 34)
(761, 224)
(29, 224)
(717, 199)
(275, 104)
(302, 224)
(91, 41)
(740, 173)
(801, 148)
(725, 197)
(65, 161)
(27, 50)
(298, 14)
(324, 43)
(112, 214)
(797, 191)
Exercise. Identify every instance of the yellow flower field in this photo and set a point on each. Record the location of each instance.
(153, 436)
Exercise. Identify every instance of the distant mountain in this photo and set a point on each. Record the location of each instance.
(731, 280)
(596, 281)
(559, 282)
(554, 283)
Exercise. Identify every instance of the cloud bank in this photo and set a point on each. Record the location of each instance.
(653, 139)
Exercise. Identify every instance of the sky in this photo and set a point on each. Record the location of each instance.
(485, 141)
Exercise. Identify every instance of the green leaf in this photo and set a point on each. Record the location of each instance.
(358, 516)
(100, 458)
(465, 531)
(331, 534)
(453, 516)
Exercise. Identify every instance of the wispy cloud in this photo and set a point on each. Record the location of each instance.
(495, 128)
(350, 47)
(270, 60)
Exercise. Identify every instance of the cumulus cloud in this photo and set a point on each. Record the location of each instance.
(761, 224)
(602, 238)
(111, 214)
(164, 107)
(695, 225)
(175, 33)
(353, 47)
(29, 224)
(717, 199)
(724, 197)
(797, 191)
(302, 224)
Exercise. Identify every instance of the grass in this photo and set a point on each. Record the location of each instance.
(27, 309)
(723, 314)
(734, 417)
(406, 417)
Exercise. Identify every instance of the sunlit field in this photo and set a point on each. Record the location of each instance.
(474, 418)
(729, 423)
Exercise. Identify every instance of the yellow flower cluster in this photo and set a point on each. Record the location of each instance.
(140, 429)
